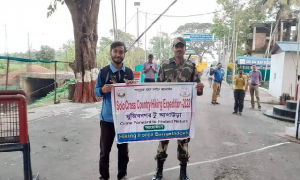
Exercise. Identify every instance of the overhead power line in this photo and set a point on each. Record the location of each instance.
(193, 15)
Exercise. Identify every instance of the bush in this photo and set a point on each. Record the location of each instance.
(230, 67)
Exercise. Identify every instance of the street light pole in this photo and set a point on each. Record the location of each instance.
(125, 14)
(145, 38)
(137, 5)
(296, 80)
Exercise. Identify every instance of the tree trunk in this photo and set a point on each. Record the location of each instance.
(85, 20)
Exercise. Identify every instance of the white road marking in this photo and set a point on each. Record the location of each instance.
(213, 160)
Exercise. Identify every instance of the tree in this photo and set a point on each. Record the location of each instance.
(133, 56)
(200, 48)
(246, 14)
(283, 9)
(45, 53)
(161, 46)
(85, 20)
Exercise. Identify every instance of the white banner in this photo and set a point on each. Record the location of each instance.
(153, 111)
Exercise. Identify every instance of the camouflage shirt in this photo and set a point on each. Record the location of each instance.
(170, 72)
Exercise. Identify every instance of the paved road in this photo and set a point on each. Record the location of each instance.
(225, 147)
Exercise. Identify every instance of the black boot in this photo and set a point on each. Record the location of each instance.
(159, 171)
(183, 175)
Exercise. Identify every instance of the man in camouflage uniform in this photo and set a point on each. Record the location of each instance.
(176, 69)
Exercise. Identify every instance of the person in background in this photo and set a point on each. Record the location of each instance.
(149, 69)
(218, 77)
(210, 76)
(239, 82)
(223, 73)
(254, 81)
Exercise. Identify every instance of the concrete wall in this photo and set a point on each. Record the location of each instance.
(258, 54)
(60, 78)
(260, 40)
(276, 75)
(289, 73)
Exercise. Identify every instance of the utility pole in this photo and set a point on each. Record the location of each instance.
(219, 51)
(160, 42)
(233, 49)
(125, 14)
(137, 5)
(268, 51)
(113, 16)
(146, 37)
(7, 65)
(29, 55)
(298, 41)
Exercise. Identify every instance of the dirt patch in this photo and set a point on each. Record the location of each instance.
(13, 77)
(230, 173)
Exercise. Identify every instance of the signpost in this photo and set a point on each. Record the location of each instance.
(205, 37)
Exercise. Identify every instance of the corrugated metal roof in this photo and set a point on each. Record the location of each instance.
(285, 46)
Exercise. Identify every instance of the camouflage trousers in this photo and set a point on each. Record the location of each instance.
(182, 150)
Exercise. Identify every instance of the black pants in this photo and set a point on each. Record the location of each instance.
(107, 135)
(239, 96)
(149, 80)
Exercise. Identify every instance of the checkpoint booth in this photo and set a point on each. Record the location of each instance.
(262, 64)
(14, 128)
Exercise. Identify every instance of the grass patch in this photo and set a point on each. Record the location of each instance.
(12, 67)
(10, 87)
(61, 92)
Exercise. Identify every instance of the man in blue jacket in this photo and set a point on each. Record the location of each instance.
(218, 77)
(115, 72)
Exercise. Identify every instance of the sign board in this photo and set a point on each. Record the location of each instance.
(153, 111)
(248, 62)
(205, 37)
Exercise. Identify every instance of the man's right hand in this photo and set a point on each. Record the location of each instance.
(106, 88)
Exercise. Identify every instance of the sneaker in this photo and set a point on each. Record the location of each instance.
(234, 112)
(240, 113)
(259, 108)
(213, 103)
(217, 103)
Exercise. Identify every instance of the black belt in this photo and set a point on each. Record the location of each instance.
(254, 84)
(149, 79)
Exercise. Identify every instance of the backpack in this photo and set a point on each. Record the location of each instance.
(107, 72)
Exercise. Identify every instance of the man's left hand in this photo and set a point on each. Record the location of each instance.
(129, 82)
(200, 86)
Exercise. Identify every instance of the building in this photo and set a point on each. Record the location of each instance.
(259, 36)
(283, 72)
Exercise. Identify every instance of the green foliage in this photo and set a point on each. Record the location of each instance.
(161, 46)
(132, 57)
(45, 53)
(200, 48)
(2, 65)
(52, 7)
(246, 14)
(10, 87)
(59, 92)
(230, 67)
